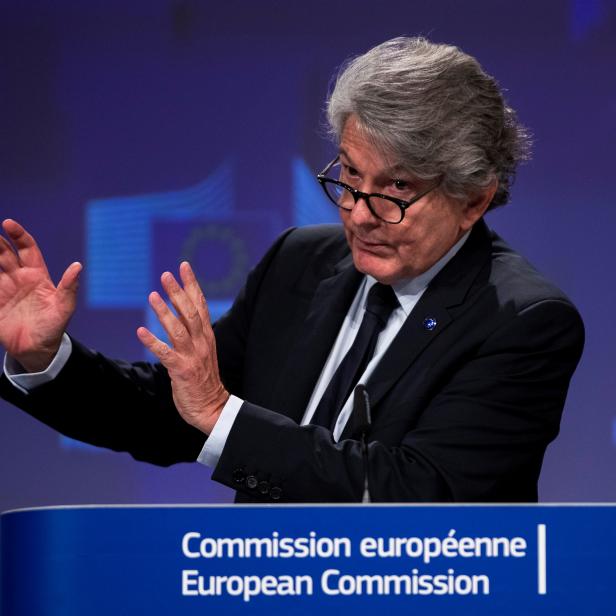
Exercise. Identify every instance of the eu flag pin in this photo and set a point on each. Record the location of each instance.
(429, 323)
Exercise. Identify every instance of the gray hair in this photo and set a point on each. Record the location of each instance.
(437, 111)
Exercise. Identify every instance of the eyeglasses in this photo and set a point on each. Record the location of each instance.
(384, 207)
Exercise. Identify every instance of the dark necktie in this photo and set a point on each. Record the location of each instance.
(379, 306)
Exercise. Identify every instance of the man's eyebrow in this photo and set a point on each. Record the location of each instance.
(343, 152)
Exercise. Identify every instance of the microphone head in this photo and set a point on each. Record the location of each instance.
(361, 407)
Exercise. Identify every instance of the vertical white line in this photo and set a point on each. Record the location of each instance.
(541, 560)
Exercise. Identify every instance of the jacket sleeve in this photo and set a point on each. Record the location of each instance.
(112, 404)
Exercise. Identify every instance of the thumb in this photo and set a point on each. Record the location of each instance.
(69, 282)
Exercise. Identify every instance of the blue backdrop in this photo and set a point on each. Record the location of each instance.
(135, 134)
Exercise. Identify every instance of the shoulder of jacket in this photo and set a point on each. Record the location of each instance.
(518, 280)
(325, 243)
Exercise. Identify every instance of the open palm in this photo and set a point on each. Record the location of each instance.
(33, 311)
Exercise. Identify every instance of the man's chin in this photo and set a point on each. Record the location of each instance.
(372, 265)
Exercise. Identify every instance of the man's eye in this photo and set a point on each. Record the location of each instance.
(351, 171)
(401, 184)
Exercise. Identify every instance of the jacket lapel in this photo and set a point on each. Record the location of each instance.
(448, 290)
(316, 336)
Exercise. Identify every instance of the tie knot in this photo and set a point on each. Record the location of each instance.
(382, 301)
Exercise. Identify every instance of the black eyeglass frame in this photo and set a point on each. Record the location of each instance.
(358, 194)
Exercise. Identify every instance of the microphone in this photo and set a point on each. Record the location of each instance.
(361, 413)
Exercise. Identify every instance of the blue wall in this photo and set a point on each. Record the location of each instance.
(135, 133)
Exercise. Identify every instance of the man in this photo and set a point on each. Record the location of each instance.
(466, 352)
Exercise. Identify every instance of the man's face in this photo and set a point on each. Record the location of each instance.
(431, 226)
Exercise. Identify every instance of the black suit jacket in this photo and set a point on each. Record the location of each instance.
(461, 412)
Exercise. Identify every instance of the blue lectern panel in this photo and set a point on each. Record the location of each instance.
(262, 560)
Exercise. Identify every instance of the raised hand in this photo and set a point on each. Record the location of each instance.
(191, 360)
(33, 311)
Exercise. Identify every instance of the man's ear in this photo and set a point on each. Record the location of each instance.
(476, 206)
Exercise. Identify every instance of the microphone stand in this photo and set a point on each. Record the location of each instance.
(361, 411)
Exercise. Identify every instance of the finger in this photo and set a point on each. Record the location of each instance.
(157, 347)
(186, 309)
(8, 259)
(177, 332)
(193, 288)
(70, 279)
(27, 249)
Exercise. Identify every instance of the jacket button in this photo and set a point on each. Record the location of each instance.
(275, 493)
(239, 475)
(251, 482)
(263, 487)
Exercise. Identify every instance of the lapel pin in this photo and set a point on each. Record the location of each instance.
(429, 323)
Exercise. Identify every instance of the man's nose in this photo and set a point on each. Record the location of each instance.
(361, 213)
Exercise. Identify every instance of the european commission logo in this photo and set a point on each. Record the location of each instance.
(132, 240)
